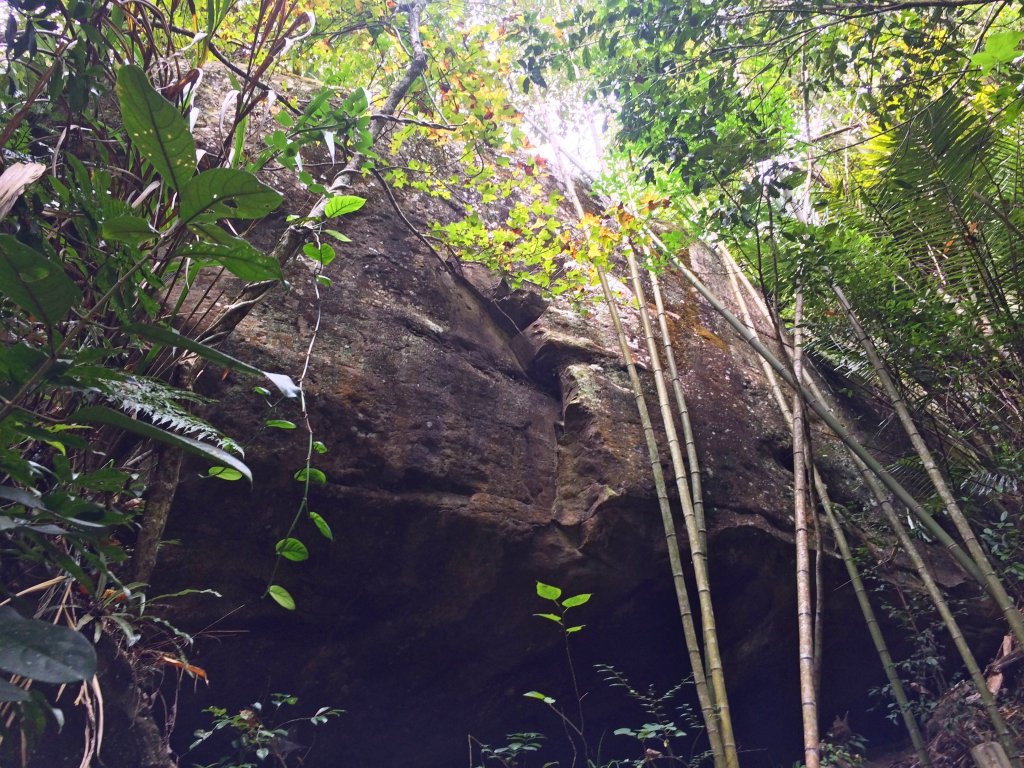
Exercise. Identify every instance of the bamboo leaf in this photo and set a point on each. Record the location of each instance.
(156, 128)
(167, 336)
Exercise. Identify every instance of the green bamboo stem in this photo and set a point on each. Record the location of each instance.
(849, 562)
(833, 423)
(805, 622)
(992, 583)
(692, 458)
(693, 645)
(698, 555)
(987, 699)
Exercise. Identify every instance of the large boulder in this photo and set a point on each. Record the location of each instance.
(478, 440)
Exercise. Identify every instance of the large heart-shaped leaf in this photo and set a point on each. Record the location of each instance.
(156, 128)
(43, 651)
(227, 192)
(237, 256)
(34, 282)
(100, 414)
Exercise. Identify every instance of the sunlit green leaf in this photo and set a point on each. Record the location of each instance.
(547, 591)
(322, 526)
(572, 602)
(312, 474)
(292, 549)
(281, 596)
(224, 473)
(342, 204)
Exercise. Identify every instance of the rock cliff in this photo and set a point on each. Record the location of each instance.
(480, 439)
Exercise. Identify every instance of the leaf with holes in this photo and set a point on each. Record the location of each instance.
(43, 651)
(156, 128)
(237, 256)
(226, 193)
(34, 282)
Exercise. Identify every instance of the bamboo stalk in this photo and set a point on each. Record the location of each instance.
(867, 610)
(833, 423)
(693, 646)
(992, 583)
(698, 554)
(705, 696)
(692, 459)
(805, 622)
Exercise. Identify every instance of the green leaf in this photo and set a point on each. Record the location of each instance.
(34, 282)
(101, 414)
(322, 526)
(10, 692)
(133, 230)
(338, 236)
(572, 602)
(553, 617)
(539, 695)
(323, 254)
(319, 447)
(342, 204)
(547, 591)
(156, 128)
(280, 423)
(281, 597)
(237, 256)
(227, 193)
(572, 630)
(169, 337)
(292, 549)
(224, 473)
(312, 474)
(356, 103)
(43, 651)
(1000, 48)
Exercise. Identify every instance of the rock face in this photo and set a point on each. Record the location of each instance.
(480, 440)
